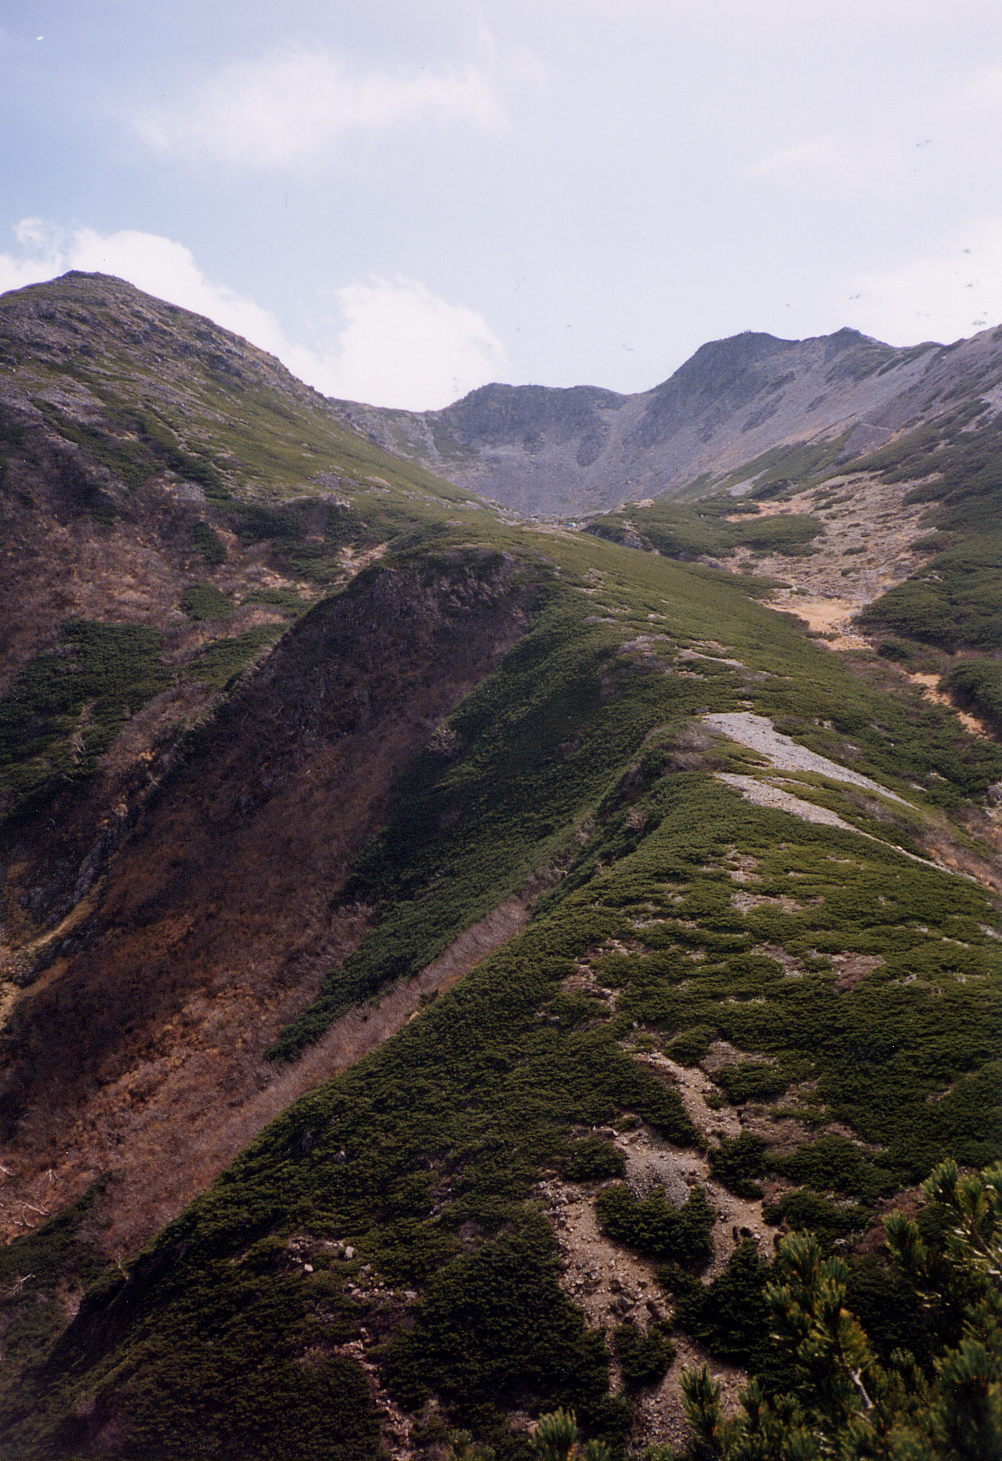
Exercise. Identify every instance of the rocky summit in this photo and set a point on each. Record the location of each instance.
(738, 408)
(500, 908)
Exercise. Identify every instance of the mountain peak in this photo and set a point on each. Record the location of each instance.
(570, 450)
(718, 360)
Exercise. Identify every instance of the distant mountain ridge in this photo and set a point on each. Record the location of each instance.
(539, 449)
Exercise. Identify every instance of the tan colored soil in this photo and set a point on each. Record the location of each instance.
(929, 684)
(864, 548)
(613, 1284)
(152, 1126)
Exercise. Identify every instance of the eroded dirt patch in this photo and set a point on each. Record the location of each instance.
(865, 547)
(764, 794)
(150, 1126)
(612, 1284)
(930, 691)
(138, 1050)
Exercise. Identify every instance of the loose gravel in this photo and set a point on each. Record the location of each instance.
(759, 734)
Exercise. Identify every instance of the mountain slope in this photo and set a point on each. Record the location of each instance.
(651, 919)
(376, 1229)
(544, 450)
(738, 409)
(174, 503)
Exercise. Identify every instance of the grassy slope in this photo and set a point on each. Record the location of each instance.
(273, 468)
(954, 604)
(576, 755)
(701, 529)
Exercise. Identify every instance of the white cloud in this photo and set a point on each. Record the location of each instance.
(830, 162)
(396, 344)
(293, 107)
(939, 297)
(402, 343)
(982, 90)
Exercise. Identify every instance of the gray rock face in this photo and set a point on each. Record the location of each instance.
(543, 450)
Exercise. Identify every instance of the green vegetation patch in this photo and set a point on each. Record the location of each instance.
(692, 1045)
(592, 1159)
(202, 601)
(209, 543)
(220, 662)
(279, 598)
(835, 1164)
(976, 685)
(68, 704)
(738, 1162)
(955, 602)
(643, 1354)
(296, 1394)
(804, 1210)
(729, 1315)
(494, 1323)
(702, 529)
(655, 1227)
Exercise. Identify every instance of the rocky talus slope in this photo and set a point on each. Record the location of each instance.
(738, 409)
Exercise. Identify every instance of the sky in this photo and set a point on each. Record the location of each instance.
(405, 199)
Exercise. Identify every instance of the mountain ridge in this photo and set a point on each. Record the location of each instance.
(430, 938)
(570, 450)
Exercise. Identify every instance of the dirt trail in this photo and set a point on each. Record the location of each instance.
(694, 1086)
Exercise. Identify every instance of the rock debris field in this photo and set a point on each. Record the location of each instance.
(758, 734)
